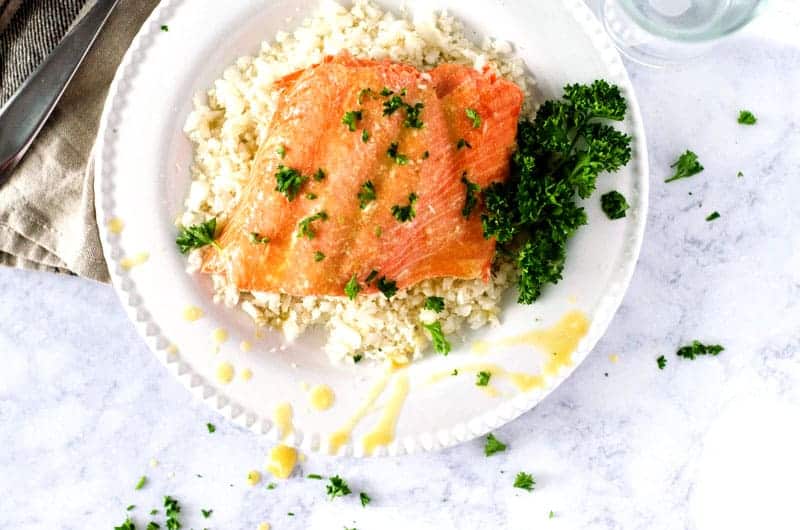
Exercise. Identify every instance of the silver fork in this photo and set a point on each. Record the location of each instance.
(26, 112)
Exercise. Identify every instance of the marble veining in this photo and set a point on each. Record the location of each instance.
(709, 444)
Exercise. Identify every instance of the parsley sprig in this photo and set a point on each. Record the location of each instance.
(304, 226)
(337, 487)
(440, 342)
(493, 445)
(289, 181)
(696, 348)
(197, 236)
(685, 166)
(406, 213)
(524, 481)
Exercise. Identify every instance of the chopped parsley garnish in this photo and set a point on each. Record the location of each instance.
(206, 513)
(305, 228)
(739, 174)
(483, 378)
(371, 276)
(426, 155)
(614, 204)
(462, 143)
(493, 445)
(164, 27)
(197, 236)
(403, 92)
(440, 343)
(662, 362)
(454, 372)
(337, 487)
(319, 175)
(378, 231)
(395, 103)
(386, 92)
(311, 196)
(559, 157)
(473, 115)
(211, 428)
(154, 511)
(141, 483)
(281, 151)
(173, 510)
(130, 507)
(747, 118)
(357, 358)
(712, 216)
(364, 92)
(698, 348)
(365, 499)
(289, 181)
(471, 199)
(435, 303)
(365, 136)
(290, 514)
(524, 481)
(152, 525)
(257, 239)
(352, 288)
(314, 476)
(412, 120)
(392, 105)
(686, 166)
(398, 158)
(127, 525)
(271, 486)
(351, 117)
(318, 256)
(366, 194)
(405, 213)
(387, 287)
(551, 515)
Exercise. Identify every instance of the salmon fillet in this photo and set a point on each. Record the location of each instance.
(312, 238)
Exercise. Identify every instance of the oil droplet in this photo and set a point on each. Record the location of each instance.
(303, 386)
(263, 526)
(321, 397)
(301, 457)
(572, 299)
(253, 477)
(219, 336)
(153, 462)
(192, 313)
(137, 259)
(282, 416)
(247, 374)
(490, 390)
(383, 433)
(480, 347)
(245, 346)
(338, 438)
(115, 225)
(281, 461)
(172, 349)
(614, 358)
(225, 373)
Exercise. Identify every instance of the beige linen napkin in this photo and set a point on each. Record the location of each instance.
(47, 219)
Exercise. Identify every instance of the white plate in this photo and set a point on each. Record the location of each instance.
(142, 178)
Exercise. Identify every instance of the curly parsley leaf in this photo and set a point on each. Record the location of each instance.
(413, 120)
(289, 181)
(405, 213)
(685, 166)
(524, 481)
(197, 236)
(211, 427)
(471, 200)
(337, 487)
(350, 119)
(661, 362)
(434, 303)
(366, 194)
(173, 512)
(126, 525)
(473, 115)
(747, 118)
(440, 342)
(493, 445)
(696, 348)
(398, 158)
(614, 204)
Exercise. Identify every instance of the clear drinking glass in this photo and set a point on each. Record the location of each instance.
(663, 32)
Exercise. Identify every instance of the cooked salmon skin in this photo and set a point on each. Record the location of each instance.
(365, 168)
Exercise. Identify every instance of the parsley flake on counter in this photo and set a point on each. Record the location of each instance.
(206, 513)
(337, 487)
(366, 194)
(493, 445)
(357, 358)
(197, 236)
(318, 256)
(739, 174)
(305, 228)
(462, 143)
(319, 175)
(127, 525)
(154, 511)
(405, 213)
(454, 372)
(130, 507)
(352, 288)
(289, 181)
(473, 115)
(434, 303)
(351, 117)
(257, 239)
(472, 196)
(440, 343)
(141, 483)
(614, 204)
(271, 486)
(211, 427)
(551, 515)
(698, 348)
(662, 362)
(524, 481)
(398, 158)
(281, 151)
(314, 476)
(483, 378)
(365, 499)
(164, 27)
(387, 287)
(365, 136)
(173, 511)
(712, 216)
(686, 166)
(747, 118)
(152, 525)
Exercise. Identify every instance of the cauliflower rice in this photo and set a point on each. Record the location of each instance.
(228, 124)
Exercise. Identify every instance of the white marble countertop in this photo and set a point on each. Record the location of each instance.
(709, 444)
